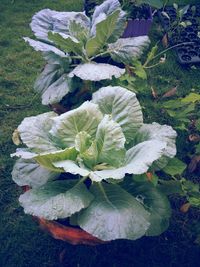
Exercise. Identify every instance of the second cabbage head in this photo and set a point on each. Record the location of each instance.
(78, 49)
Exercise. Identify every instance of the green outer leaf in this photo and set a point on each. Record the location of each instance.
(126, 49)
(29, 172)
(104, 30)
(79, 32)
(123, 106)
(152, 53)
(34, 132)
(155, 202)
(191, 191)
(194, 201)
(179, 110)
(162, 133)
(43, 47)
(139, 69)
(57, 90)
(197, 124)
(119, 27)
(175, 166)
(24, 153)
(139, 178)
(47, 160)
(153, 179)
(113, 214)
(192, 97)
(58, 199)
(110, 142)
(105, 9)
(138, 160)
(183, 113)
(47, 20)
(66, 42)
(198, 148)
(62, 21)
(68, 125)
(170, 187)
(174, 104)
(52, 58)
(42, 22)
(48, 76)
(96, 71)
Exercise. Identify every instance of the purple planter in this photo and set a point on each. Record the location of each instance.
(138, 27)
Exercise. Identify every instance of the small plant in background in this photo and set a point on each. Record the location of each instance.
(136, 77)
(182, 110)
(184, 113)
(139, 8)
(75, 47)
(176, 21)
(133, 8)
(130, 6)
(102, 143)
(181, 25)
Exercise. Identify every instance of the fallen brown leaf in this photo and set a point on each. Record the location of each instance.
(194, 138)
(149, 176)
(128, 69)
(165, 40)
(185, 207)
(154, 93)
(194, 164)
(170, 93)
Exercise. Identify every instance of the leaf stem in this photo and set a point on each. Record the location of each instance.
(76, 57)
(174, 178)
(104, 194)
(100, 54)
(82, 179)
(152, 66)
(171, 47)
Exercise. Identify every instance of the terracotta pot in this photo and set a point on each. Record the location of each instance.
(70, 234)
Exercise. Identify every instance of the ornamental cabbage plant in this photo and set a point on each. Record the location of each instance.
(74, 44)
(100, 146)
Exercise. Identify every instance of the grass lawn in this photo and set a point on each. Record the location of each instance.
(22, 243)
